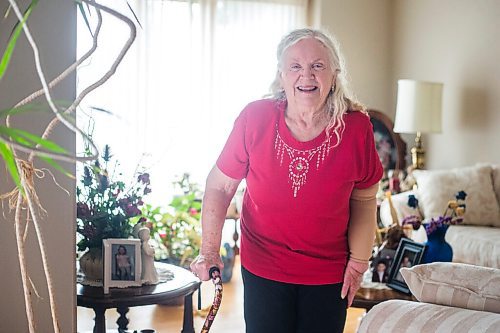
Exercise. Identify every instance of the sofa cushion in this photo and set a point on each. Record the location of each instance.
(457, 285)
(437, 187)
(476, 245)
(397, 316)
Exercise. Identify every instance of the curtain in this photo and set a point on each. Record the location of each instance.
(193, 67)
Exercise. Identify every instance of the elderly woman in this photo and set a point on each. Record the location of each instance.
(309, 209)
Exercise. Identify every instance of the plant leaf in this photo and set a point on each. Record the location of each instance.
(21, 136)
(57, 166)
(101, 110)
(10, 163)
(4, 63)
(84, 14)
(7, 11)
(37, 107)
(19, 140)
(133, 13)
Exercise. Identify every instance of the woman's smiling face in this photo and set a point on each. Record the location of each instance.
(306, 75)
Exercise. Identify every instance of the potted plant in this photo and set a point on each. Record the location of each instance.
(176, 230)
(104, 209)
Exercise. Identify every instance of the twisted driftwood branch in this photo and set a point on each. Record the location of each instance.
(27, 174)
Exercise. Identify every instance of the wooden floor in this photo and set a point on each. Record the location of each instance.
(166, 319)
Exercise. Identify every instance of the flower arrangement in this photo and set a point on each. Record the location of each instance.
(453, 214)
(104, 205)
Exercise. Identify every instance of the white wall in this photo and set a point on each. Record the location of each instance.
(456, 42)
(53, 26)
(364, 31)
(451, 41)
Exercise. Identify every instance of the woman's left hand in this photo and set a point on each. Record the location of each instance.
(352, 279)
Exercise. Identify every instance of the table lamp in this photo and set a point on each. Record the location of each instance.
(418, 111)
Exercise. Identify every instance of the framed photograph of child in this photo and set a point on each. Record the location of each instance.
(122, 263)
(408, 254)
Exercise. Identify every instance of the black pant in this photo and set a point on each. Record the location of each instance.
(275, 307)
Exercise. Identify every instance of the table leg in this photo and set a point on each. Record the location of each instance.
(236, 236)
(122, 321)
(99, 320)
(187, 324)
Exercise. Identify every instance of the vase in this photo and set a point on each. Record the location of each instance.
(437, 249)
(91, 264)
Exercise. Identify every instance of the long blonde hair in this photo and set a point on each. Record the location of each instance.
(340, 99)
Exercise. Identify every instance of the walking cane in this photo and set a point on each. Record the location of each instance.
(216, 279)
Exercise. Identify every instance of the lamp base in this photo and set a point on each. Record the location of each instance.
(417, 158)
(418, 153)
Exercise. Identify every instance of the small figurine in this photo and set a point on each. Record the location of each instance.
(149, 274)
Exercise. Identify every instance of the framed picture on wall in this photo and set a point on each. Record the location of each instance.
(122, 263)
(408, 254)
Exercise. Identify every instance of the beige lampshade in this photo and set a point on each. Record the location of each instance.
(418, 107)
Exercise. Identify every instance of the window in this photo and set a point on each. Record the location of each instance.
(193, 67)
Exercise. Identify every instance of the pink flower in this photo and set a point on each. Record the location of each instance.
(193, 211)
(132, 210)
(83, 210)
(144, 178)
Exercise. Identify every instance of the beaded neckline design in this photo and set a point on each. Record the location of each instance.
(299, 161)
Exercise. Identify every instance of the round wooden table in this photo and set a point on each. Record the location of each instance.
(183, 284)
(367, 298)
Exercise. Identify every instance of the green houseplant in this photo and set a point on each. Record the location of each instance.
(176, 230)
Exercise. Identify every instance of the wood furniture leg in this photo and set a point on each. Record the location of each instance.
(122, 321)
(99, 320)
(187, 322)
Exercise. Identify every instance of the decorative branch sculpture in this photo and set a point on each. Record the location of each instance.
(26, 196)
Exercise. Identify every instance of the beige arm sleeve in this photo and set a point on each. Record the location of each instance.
(362, 223)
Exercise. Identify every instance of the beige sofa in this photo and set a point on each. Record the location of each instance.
(453, 297)
(475, 241)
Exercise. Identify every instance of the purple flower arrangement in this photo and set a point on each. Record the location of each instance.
(453, 214)
(104, 206)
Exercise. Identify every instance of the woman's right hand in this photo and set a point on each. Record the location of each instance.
(202, 264)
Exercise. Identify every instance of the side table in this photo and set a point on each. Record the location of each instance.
(184, 284)
(367, 298)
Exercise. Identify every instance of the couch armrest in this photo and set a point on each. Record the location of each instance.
(398, 316)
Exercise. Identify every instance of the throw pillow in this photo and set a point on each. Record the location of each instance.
(437, 187)
(400, 204)
(453, 284)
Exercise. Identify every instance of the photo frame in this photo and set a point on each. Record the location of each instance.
(122, 263)
(408, 254)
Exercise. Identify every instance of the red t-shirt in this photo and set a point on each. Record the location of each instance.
(296, 205)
